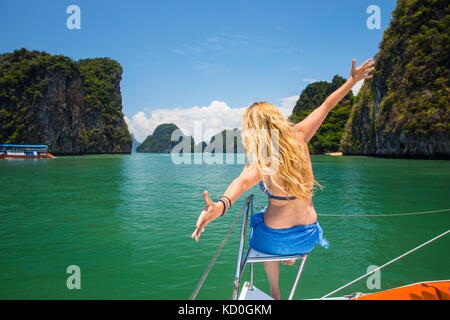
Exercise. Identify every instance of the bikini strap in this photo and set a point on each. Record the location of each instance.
(264, 189)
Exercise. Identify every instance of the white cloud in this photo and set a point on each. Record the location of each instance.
(310, 80)
(213, 118)
(287, 104)
(357, 87)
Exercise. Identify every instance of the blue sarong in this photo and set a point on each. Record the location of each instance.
(297, 240)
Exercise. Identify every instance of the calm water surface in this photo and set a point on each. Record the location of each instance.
(126, 221)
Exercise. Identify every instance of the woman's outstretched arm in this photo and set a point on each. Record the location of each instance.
(309, 126)
(248, 178)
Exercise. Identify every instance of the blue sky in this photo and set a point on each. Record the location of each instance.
(219, 55)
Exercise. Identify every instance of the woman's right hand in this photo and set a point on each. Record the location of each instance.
(363, 71)
(211, 211)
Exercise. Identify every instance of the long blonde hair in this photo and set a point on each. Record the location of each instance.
(268, 135)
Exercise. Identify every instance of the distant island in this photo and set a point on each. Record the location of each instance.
(160, 141)
(74, 107)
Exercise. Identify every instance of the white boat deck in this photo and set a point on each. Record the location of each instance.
(253, 293)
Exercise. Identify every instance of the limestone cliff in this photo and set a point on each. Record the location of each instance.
(404, 110)
(73, 107)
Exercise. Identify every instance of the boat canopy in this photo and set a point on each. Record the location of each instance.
(24, 145)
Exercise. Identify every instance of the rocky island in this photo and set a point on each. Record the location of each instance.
(160, 141)
(74, 107)
(403, 111)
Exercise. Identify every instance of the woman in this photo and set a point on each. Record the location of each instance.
(281, 164)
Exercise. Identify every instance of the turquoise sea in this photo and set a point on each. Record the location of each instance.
(126, 221)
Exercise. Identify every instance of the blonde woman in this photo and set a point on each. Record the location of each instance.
(281, 164)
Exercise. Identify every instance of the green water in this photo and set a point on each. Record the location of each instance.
(125, 220)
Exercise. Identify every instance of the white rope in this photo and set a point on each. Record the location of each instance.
(375, 215)
(388, 263)
(382, 215)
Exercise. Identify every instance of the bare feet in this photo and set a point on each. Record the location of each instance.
(275, 294)
(288, 262)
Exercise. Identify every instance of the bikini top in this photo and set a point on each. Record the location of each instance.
(271, 196)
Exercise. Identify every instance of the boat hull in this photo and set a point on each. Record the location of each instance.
(430, 290)
(48, 156)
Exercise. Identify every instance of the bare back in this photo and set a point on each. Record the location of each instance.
(282, 214)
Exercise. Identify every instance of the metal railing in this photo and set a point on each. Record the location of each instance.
(240, 265)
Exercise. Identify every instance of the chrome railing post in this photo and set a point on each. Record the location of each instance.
(252, 270)
(237, 279)
(297, 278)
